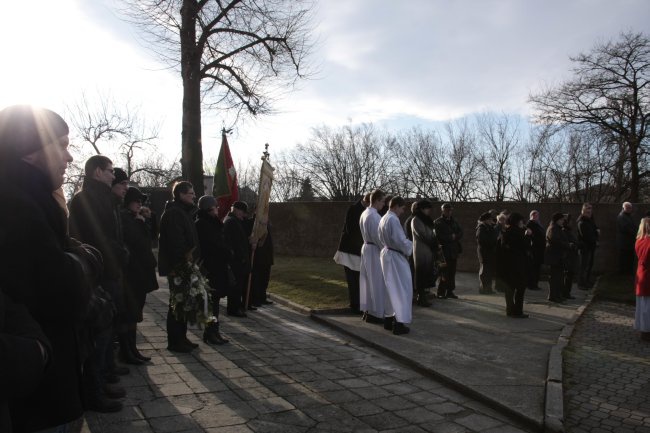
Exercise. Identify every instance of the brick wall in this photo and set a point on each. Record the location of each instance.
(314, 228)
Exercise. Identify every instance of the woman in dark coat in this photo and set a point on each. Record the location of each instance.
(486, 239)
(426, 251)
(514, 247)
(215, 255)
(140, 276)
(557, 245)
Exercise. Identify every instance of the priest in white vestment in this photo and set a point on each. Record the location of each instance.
(395, 266)
(373, 298)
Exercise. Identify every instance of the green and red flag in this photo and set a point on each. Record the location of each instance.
(225, 188)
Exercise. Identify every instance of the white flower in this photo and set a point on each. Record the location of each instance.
(179, 297)
(194, 278)
(178, 281)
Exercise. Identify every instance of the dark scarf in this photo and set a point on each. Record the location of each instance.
(426, 219)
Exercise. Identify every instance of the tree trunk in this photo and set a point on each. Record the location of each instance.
(192, 151)
(634, 169)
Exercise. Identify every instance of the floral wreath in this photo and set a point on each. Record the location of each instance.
(190, 295)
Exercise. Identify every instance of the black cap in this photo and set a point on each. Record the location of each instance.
(120, 176)
(486, 216)
(557, 216)
(25, 129)
(241, 205)
(134, 194)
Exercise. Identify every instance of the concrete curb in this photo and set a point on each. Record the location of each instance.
(290, 304)
(554, 397)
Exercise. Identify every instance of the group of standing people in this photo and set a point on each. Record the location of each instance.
(195, 234)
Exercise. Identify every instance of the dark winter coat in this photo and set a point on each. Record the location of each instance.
(514, 247)
(425, 251)
(21, 361)
(537, 241)
(235, 234)
(444, 229)
(407, 227)
(571, 254)
(215, 253)
(557, 245)
(178, 240)
(351, 239)
(140, 276)
(95, 220)
(486, 239)
(626, 230)
(36, 271)
(587, 233)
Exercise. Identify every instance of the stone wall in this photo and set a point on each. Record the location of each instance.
(314, 228)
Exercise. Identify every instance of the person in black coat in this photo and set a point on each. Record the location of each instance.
(40, 266)
(486, 239)
(237, 239)
(178, 244)
(215, 256)
(140, 276)
(515, 246)
(348, 253)
(557, 246)
(588, 236)
(449, 233)
(570, 258)
(537, 248)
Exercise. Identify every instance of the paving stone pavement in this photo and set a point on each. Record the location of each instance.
(607, 373)
(282, 372)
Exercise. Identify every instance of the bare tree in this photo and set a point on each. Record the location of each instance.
(611, 92)
(232, 55)
(287, 180)
(458, 165)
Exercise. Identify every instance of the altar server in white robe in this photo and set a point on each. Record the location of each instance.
(371, 283)
(395, 266)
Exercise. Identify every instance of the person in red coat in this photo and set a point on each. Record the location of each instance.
(642, 280)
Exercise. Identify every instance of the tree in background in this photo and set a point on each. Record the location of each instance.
(609, 94)
(237, 55)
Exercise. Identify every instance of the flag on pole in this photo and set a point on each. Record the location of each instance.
(225, 188)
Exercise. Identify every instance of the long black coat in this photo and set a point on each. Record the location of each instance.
(486, 240)
(351, 240)
(215, 254)
(557, 246)
(626, 230)
(537, 241)
(445, 228)
(140, 276)
(587, 233)
(21, 362)
(235, 234)
(36, 271)
(178, 238)
(514, 247)
(95, 220)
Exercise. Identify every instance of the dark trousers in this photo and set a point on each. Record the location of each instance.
(353, 287)
(447, 278)
(514, 299)
(586, 264)
(236, 297)
(533, 270)
(556, 282)
(626, 261)
(568, 282)
(259, 284)
(176, 329)
(486, 275)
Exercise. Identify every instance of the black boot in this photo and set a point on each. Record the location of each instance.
(126, 355)
(388, 323)
(399, 328)
(134, 347)
(422, 299)
(211, 334)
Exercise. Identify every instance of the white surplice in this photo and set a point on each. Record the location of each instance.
(395, 267)
(372, 291)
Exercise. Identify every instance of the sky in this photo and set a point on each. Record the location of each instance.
(394, 63)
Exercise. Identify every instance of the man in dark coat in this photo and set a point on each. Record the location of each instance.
(536, 253)
(449, 234)
(178, 244)
(514, 246)
(588, 234)
(94, 219)
(486, 240)
(215, 256)
(348, 253)
(40, 266)
(236, 237)
(626, 230)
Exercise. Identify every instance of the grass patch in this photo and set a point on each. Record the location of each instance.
(310, 281)
(617, 288)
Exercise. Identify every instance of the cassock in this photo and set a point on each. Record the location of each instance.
(395, 267)
(371, 283)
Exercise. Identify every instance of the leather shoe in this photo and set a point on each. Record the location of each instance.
(180, 348)
(441, 296)
(236, 314)
(388, 323)
(252, 307)
(267, 302)
(189, 343)
(520, 316)
(451, 296)
(104, 405)
(400, 328)
(114, 391)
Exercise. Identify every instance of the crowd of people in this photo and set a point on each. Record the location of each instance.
(390, 267)
(74, 276)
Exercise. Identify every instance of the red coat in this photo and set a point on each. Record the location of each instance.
(642, 280)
